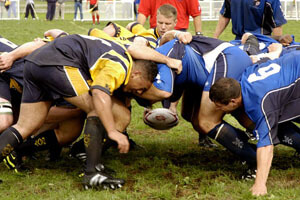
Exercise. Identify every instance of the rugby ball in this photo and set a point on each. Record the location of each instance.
(161, 119)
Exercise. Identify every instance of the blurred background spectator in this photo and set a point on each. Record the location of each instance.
(60, 9)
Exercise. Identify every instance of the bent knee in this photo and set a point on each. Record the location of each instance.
(5, 122)
(205, 125)
(122, 121)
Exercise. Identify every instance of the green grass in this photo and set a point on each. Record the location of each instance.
(172, 166)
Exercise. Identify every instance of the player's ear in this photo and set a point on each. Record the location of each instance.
(235, 101)
(136, 73)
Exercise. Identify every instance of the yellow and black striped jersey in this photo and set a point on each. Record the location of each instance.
(150, 34)
(126, 41)
(126, 37)
(106, 61)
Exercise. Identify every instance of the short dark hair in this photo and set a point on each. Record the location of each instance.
(148, 69)
(168, 11)
(224, 89)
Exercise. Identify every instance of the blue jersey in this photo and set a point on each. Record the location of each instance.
(253, 16)
(204, 61)
(193, 66)
(271, 95)
(265, 41)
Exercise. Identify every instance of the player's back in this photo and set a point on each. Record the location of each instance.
(272, 86)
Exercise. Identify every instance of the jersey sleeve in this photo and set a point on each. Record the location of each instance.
(6, 45)
(278, 13)
(137, 27)
(150, 35)
(226, 9)
(109, 73)
(164, 79)
(194, 8)
(144, 8)
(266, 133)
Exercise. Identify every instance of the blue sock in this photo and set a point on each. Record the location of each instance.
(235, 141)
(289, 134)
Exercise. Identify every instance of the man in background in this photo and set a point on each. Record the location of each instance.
(60, 9)
(51, 6)
(185, 9)
(93, 10)
(254, 16)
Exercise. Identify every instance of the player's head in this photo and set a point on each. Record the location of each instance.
(166, 18)
(226, 94)
(141, 77)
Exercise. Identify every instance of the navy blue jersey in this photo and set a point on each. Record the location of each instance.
(255, 16)
(106, 61)
(271, 95)
(265, 41)
(11, 79)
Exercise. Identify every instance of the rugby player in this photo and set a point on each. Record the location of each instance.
(72, 67)
(56, 132)
(270, 95)
(204, 60)
(254, 16)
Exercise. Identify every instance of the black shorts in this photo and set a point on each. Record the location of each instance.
(49, 83)
(95, 9)
(4, 88)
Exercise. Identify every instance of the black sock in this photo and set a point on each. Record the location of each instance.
(94, 133)
(9, 140)
(235, 141)
(78, 147)
(289, 134)
(43, 141)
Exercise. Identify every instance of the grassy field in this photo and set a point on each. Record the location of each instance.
(172, 165)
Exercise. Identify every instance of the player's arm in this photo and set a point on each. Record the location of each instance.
(222, 24)
(103, 104)
(162, 87)
(264, 161)
(55, 33)
(146, 53)
(275, 50)
(154, 94)
(7, 59)
(184, 37)
(277, 31)
(197, 23)
(141, 18)
(87, 4)
(105, 81)
(130, 25)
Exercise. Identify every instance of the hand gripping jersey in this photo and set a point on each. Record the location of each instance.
(271, 95)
